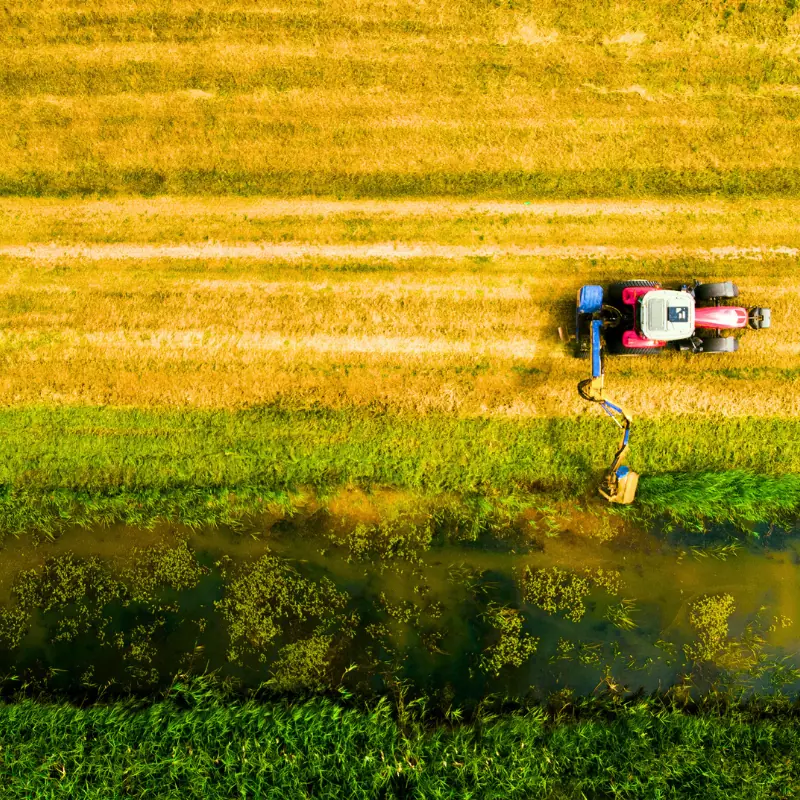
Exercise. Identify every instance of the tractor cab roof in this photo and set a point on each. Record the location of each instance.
(666, 315)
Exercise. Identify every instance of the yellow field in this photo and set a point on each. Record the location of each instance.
(385, 206)
(468, 335)
(665, 227)
(394, 98)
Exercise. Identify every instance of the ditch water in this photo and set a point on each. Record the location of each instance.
(426, 621)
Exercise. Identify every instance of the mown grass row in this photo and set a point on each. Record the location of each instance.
(94, 176)
(586, 19)
(32, 22)
(633, 225)
(478, 67)
(93, 465)
(469, 336)
(354, 100)
(201, 744)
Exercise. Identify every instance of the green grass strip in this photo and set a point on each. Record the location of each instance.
(104, 179)
(102, 448)
(734, 495)
(24, 511)
(85, 465)
(209, 747)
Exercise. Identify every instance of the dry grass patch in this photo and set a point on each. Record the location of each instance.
(463, 338)
(399, 98)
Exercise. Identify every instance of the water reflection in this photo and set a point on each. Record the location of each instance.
(425, 621)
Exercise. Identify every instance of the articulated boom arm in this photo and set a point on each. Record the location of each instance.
(619, 484)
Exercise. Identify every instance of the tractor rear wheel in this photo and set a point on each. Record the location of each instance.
(725, 290)
(720, 344)
(616, 348)
(616, 289)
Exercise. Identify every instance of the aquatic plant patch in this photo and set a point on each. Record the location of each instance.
(513, 647)
(72, 596)
(270, 595)
(709, 616)
(556, 590)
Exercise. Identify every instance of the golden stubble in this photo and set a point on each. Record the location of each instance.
(458, 337)
(203, 224)
(339, 129)
(402, 384)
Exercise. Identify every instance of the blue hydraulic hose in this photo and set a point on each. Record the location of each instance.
(597, 367)
(606, 405)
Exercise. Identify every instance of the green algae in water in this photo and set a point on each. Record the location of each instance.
(513, 648)
(292, 609)
(265, 598)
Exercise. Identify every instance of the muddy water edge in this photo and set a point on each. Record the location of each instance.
(331, 599)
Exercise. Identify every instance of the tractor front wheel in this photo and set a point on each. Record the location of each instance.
(720, 344)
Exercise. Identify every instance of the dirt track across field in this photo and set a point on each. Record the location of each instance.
(380, 250)
(315, 207)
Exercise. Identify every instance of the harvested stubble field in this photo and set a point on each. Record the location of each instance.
(414, 238)
(376, 98)
(318, 346)
(357, 315)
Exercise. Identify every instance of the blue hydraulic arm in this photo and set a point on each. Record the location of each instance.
(619, 484)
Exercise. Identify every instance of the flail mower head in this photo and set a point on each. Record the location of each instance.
(619, 486)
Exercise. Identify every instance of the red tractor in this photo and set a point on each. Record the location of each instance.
(640, 317)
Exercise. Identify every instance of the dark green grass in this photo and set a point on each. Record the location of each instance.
(197, 744)
(88, 465)
(730, 496)
(98, 178)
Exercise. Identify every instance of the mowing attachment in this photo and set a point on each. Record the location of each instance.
(619, 483)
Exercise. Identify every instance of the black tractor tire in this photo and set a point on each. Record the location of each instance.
(725, 290)
(616, 289)
(720, 344)
(616, 348)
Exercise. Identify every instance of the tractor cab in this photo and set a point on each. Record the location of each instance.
(666, 315)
